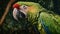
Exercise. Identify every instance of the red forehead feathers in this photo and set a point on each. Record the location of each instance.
(16, 6)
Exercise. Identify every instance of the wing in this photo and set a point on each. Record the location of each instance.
(50, 23)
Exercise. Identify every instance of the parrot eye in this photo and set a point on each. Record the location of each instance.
(25, 7)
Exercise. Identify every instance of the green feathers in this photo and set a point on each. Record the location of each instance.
(52, 21)
(35, 14)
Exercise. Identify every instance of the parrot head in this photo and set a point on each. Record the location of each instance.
(19, 11)
(25, 10)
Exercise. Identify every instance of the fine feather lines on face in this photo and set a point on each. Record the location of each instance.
(24, 9)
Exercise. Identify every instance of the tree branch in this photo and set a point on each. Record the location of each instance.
(6, 11)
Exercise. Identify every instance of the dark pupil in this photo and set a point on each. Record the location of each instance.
(24, 7)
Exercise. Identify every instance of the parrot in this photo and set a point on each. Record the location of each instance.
(32, 16)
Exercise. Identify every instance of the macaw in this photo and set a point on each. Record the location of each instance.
(29, 14)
